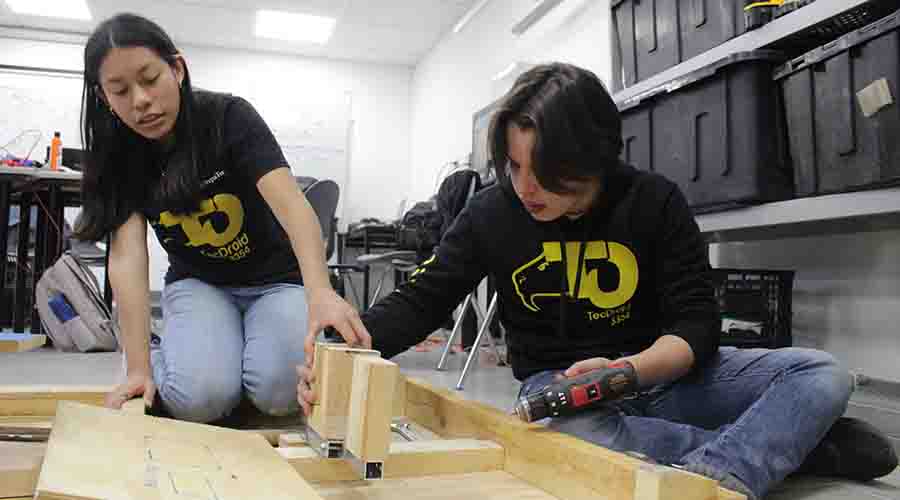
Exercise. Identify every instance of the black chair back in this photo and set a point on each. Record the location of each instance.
(323, 196)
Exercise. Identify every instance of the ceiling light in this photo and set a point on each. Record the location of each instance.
(66, 9)
(535, 15)
(294, 27)
(469, 15)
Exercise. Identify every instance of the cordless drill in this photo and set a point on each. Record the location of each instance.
(573, 395)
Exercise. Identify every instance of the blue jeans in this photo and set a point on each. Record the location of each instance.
(219, 343)
(752, 413)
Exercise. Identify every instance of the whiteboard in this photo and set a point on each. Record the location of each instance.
(43, 102)
(312, 129)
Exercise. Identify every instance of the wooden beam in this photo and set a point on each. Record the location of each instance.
(534, 453)
(333, 369)
(20, 464)
(98, 453)
(495, 485)
(13, 342)
(405, 460)
(41, 401)
(368, 434)
(655, 482)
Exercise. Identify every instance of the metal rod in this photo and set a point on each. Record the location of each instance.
(457, 326)
(485, 325)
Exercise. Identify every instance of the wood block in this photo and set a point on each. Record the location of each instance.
(291, 440)
(400, 397)
(97, 453)
(41, 400)
(20, 464)
(20, 342)
(405, 460)
(368, 434)
(655, 482)
(333, 369)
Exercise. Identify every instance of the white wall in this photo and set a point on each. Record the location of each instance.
(379, 159)
(456, 78)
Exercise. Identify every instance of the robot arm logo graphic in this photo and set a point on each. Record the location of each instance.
(217, 223)
(609, 274)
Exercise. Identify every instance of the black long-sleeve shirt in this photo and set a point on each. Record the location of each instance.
(644, 273)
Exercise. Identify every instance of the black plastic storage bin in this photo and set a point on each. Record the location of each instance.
(714, 132)
(755, 306)
(832, 28)
(836, 143)
(651, 36)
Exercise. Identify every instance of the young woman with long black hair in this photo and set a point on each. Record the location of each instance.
(247, 278)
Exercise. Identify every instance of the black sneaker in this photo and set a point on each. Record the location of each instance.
(851, 449)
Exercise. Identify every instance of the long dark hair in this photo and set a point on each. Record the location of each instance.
(123, 170)
(577, 126)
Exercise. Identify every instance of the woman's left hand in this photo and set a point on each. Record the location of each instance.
(327, 308)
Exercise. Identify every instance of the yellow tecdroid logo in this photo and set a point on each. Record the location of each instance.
(540, 278)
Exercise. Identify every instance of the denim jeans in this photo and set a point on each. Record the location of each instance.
(221, 343)
(752, 413)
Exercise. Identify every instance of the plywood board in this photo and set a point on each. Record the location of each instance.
(368, 433)
(405, 460)
(41, 400)
(538, 455)
(97, 453)
(20, 342)
(20, 464)
(484, 486)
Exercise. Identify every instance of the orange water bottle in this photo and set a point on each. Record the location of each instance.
(55, 151)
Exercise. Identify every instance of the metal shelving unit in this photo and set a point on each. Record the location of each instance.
(856, 212)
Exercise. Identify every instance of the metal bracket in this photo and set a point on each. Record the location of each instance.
(367, 470)
(327, 448)
(405, 431)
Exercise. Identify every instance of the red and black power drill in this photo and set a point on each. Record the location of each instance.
(573, 395)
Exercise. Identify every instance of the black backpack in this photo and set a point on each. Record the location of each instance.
(420, 229)
(423, 226)
(453, 195)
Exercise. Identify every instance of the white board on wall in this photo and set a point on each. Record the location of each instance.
(313, 131)
(312, 128)
(40, 102)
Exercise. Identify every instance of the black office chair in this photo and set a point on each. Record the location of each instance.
(323, 196)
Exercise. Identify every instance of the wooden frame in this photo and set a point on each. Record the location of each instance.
(485, 452)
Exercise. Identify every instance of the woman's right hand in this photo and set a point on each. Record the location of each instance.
(137, 384)
(305, 394)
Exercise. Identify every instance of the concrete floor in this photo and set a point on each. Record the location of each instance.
(486, 383)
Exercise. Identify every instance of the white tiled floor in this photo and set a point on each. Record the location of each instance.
(486, 383)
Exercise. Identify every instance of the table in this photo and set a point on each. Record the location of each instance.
(50, 189)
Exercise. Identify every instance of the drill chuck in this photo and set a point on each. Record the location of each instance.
(577, 394)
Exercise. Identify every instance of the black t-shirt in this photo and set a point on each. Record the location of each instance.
(234, 238)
